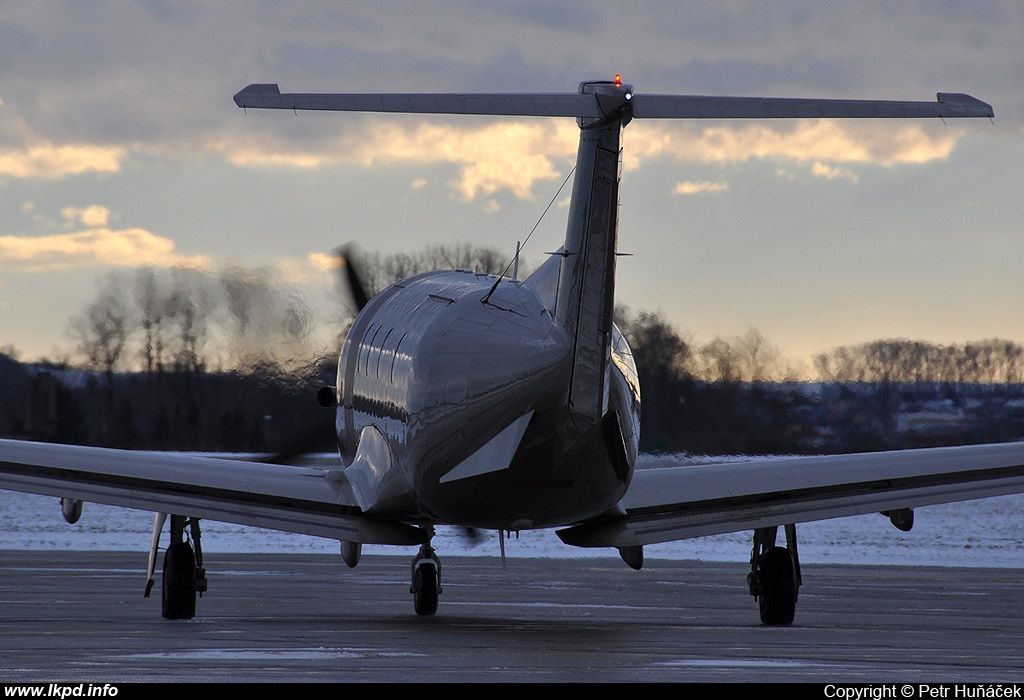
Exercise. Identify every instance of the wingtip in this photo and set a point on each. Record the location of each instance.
(971, 105)
(256, 94)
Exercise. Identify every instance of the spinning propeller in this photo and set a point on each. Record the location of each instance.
(352, 278)
(319, 434)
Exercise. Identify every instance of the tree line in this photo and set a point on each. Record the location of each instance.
(741, 396)
(195, 359)
(231, 360)
(993, 361)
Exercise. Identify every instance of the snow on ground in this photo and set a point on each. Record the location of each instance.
(982, 533)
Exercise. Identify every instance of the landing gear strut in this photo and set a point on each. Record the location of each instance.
(774, 577)
(426, 579)
(184, 575)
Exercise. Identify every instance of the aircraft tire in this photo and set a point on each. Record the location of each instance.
(179, 582)
(425, 588)
(778, 587)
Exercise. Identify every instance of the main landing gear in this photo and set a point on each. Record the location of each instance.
(774, 577)
(426, 579)
(184, 575)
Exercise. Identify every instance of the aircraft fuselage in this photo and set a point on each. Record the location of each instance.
(464, 404)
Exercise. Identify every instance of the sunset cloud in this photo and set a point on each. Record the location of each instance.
(692, 187)
(53, 162)
(252, 157)
(91, 216)
(821, 141)
(322, 262)
(504, 156)
(317, 267)
(510, 156)
(127, 247)
(831, 172)
(515, 156)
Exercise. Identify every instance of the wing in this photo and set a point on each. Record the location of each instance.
(682, 502)
(293, 499)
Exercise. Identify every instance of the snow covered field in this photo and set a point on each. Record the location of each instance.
(983, 533)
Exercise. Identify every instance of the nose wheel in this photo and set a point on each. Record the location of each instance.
(426, 580)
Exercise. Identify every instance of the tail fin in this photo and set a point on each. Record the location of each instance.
(586, 284)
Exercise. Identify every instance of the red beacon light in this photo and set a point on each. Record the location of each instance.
(618, 80)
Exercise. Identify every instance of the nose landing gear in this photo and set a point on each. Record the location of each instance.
(426, 580)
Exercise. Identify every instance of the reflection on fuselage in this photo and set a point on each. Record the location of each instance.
(440, 373)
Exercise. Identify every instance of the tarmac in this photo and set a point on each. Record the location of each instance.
(71, 617)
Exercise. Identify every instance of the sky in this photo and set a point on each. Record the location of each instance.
(120, 146)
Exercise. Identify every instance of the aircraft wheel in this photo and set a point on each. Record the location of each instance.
(425, 587)
(179, 582)
(778, 587)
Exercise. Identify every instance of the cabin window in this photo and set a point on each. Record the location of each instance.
(380, 350)
(394, 357)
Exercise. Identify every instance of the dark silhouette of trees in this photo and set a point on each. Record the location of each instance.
(203, 360)
(993, 361)
(199, 359)
(662, 358)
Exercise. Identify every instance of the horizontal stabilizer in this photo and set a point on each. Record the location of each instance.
(699, 107)
(588, 105)
(524, 104)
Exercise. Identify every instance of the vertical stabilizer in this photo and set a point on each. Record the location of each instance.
(586, 286)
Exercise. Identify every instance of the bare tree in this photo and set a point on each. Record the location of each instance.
(379, 270)
(269, 320)
(102, 332)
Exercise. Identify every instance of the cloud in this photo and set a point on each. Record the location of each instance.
(253, 157)
(92, 216)
(498, 156)
(692, 187)
(53, 162)
(127, 247)
(316, 267)
(821, 141)
(830, 172)
(322, 262)
(515, 156)
(493, 157)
